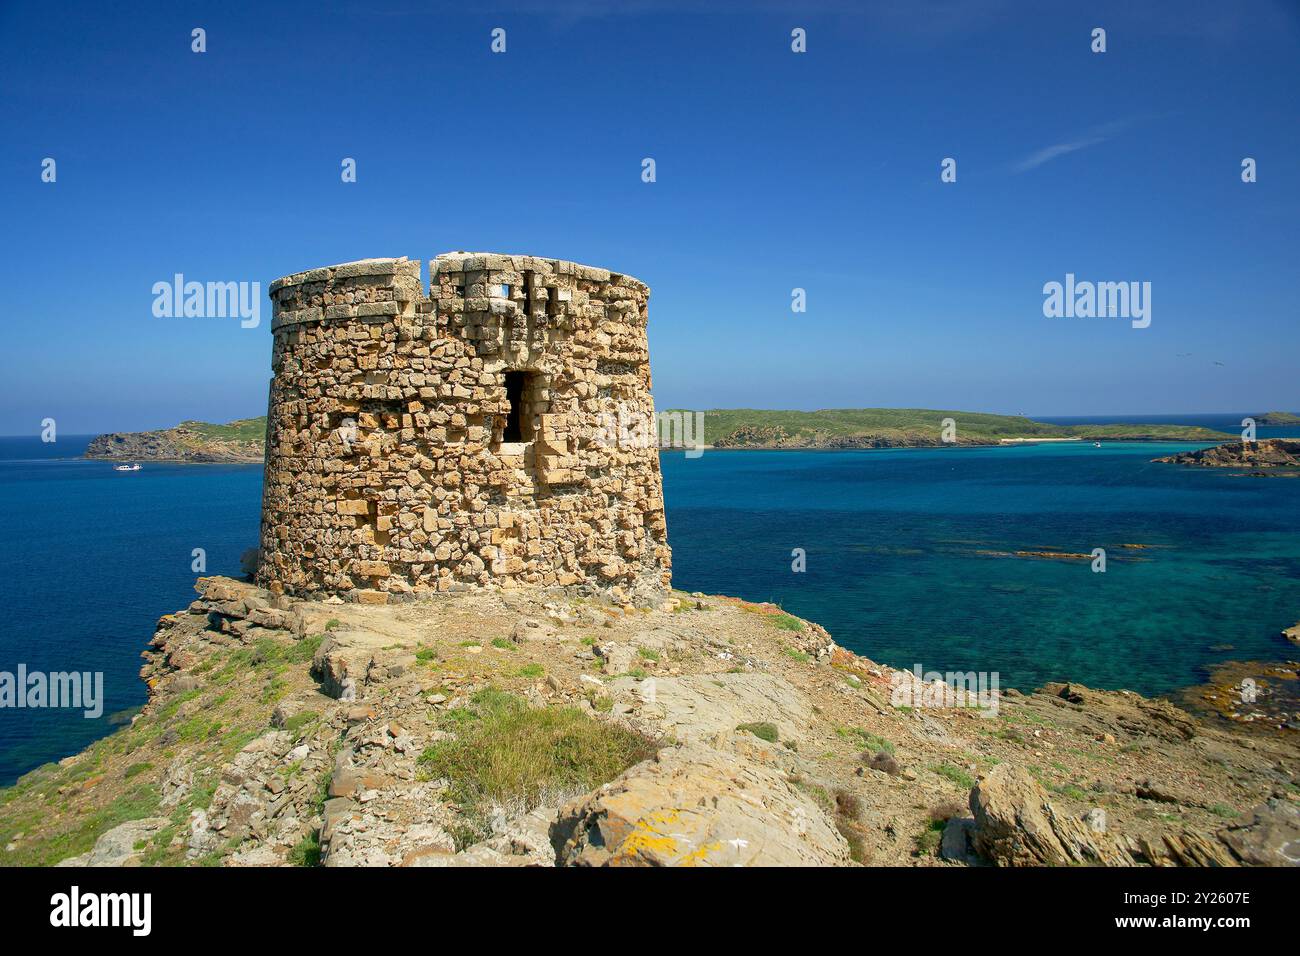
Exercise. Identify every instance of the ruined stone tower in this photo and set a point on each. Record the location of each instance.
(420, 443)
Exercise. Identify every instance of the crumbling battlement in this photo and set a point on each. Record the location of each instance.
(428, 442)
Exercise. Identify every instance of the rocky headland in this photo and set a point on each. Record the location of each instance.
(523, 728)
(1265, 454)
(240, 441)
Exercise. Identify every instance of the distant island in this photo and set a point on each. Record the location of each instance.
(726, 428)
(914, 427)
(1278, 418)
(237, 441)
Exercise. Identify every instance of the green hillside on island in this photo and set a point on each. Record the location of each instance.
(243, 440)
(238, 441)
(902, 427)
(1278, 418)
(243, 429)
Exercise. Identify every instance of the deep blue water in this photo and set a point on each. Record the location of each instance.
(90, 558)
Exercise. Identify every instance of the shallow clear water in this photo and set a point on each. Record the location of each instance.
(90, 558)
(894, 569)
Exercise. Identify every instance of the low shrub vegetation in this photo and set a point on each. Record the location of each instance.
(519, 757)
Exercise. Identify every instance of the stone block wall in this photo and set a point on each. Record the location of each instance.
(429, 442)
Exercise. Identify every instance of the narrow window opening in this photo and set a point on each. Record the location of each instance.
(552, 301)
(515, 396)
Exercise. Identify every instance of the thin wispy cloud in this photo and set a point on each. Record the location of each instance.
(1092, 137)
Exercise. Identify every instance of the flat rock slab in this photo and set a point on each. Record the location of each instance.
(1269, 837)
(707, 707)
(696, 806)
(117, 847)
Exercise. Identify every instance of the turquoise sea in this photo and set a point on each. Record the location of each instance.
(896, 542)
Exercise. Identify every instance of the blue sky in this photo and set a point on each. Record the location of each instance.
(775, 170)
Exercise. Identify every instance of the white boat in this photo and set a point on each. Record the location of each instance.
(132, 467)
(1096, 444)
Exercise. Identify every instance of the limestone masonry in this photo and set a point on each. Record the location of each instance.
(433, 442)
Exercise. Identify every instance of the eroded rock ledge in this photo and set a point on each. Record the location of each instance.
(1267, 453)
(709, 732)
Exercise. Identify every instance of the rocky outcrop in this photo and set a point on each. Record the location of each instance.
(1268, 836)
(1267, 453)
(282, 731)
(1117, 713)
(1016, 825)
(697, 806)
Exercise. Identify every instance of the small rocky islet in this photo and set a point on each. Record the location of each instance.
(1274, 456)
(521, 728)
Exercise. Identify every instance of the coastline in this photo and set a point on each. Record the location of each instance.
(740, 429)
(923, 446)
(916, 446)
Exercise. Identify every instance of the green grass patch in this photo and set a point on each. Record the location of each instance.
(955, 774)
(517, 756)
(866, 739)
(928, 840)
(762, 730)
(298, 722)
(306, 852)
(71, 835)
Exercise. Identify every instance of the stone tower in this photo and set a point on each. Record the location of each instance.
(462, 438)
